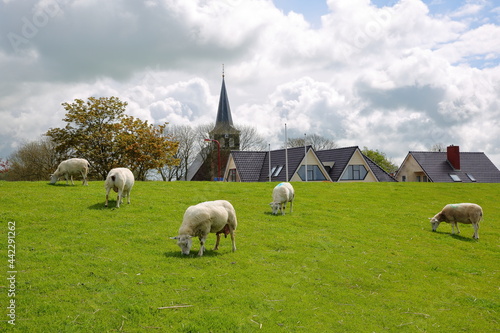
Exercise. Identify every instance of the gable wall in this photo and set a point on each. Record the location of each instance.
(231, 165)
(410, 169)
(357, 159)
(311, 160)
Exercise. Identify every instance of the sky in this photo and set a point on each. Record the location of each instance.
(393, 76)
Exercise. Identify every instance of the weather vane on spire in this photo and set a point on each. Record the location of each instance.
(222, 70)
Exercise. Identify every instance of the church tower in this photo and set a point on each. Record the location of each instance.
(224, 131)
(207, 164)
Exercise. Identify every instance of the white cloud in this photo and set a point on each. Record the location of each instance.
(392, 78)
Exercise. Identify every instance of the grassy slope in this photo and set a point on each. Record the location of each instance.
(352, 257)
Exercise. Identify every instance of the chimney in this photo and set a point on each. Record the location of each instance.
(453, 156)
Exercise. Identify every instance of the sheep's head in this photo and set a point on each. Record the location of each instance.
(53, 179)
(185, 242)
(435, 221)
(275, 206)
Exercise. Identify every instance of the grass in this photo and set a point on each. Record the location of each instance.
(352, 257)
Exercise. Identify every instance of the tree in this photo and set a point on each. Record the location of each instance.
(381, 159)
(99, 131)
(438, 147)
(33, 161)
(250, 139)
(187, 138)
(144, 146)
(318, 142)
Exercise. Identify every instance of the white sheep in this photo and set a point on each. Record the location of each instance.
(217, 217)
(121, 180)
(70, 168)
(282, 194)
(467, 213)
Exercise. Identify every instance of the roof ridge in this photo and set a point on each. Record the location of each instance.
(433, 152)
(349, 147)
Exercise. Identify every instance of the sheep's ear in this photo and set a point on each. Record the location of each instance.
(176, 237)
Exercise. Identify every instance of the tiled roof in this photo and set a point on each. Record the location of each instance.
(295, 156)
(380, 173)
(341, 157)
(249, 164)
(253, 166)
(438, 169)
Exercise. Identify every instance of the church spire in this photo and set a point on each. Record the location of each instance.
(224, 130)
(224, 118)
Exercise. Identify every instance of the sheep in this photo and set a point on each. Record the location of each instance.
(282, 193)
(121, 180)
(70, 168)
(467, 213)
(217, 217)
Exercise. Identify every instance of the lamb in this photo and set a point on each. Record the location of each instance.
(282, 193)
(70, 168)
(121, 180)
(217, 217)
(467, 213)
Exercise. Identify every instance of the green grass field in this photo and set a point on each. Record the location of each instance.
(352, 257)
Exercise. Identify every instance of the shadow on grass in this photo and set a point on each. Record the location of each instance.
(100, 206)
(192, 254)
(463, 238)
(60, 184)
(279, 214)
(455, 236)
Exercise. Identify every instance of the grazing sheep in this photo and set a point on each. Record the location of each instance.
(217, 217)
(120, 180)
(282, 193)
(70, 168)
(467, 213)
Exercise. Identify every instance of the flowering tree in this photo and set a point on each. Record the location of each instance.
(99, 131)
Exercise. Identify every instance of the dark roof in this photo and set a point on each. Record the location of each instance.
(341, 157)
(438, 169)
(249, 164)
(253, 166)
(295, 156)
(380, 173)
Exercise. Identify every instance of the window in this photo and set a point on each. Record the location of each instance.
(272, 171)
(231, 176)
(471, 177)
(422, 179)
(278, 170)
(455, 178)
(354, 172)
(313, 173)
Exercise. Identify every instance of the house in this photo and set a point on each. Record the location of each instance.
(337, 165)
(448, 167)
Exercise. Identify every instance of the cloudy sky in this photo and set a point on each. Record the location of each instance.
(390, 75)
